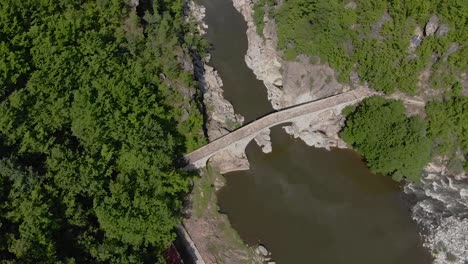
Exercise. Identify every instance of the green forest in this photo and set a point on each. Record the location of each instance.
(92, 122)
(392, 143)
(400, 146)
(372, 38)
(448, 128)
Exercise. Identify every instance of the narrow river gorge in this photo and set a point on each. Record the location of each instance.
(307, 205)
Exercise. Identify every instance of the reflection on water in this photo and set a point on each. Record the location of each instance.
(315, 206)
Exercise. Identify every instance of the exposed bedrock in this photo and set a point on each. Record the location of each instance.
(220, 116)
(293, 82)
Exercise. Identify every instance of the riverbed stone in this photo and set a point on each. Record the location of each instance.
(261, 250)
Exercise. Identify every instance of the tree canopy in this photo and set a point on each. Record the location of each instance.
(391, 143)
(372, 38)
(448, 128)
(95, 109)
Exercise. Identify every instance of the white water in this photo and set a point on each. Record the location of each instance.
(441, 210)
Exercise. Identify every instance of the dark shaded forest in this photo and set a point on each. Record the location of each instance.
(95, 109)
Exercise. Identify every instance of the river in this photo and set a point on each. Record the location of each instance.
(226, 31)
(306, 205)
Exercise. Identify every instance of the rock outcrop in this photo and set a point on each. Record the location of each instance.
(454, 47)
(443, 30)
(221, 118)
(230, 160)
(305, 82)
(134, 3)
(195, 12)
(264, 141)
(293, 82)
(262, 56)
(220, 115)
(288, 82)
(320, 129)
(432, 26)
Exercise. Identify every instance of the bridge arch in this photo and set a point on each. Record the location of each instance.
(234, 143)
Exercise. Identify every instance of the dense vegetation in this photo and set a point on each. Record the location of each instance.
(392, 143)
(92, 120)
(372, 37)
(448, 127)
(259, 13)
(400, 146)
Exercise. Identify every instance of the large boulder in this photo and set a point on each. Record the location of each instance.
(432, 26)
(261, 250)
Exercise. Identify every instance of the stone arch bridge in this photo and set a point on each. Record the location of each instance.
(233, 145)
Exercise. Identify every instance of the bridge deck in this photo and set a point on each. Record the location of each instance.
(281, 116)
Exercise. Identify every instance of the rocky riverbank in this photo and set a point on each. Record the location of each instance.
(288, 82)
(220, 117)
(210, 231)
(219, 112)
(293, 82)
(261, 55)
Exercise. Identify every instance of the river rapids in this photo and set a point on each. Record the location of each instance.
(441, 210)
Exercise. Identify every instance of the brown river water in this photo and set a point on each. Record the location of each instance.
(306, 205)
